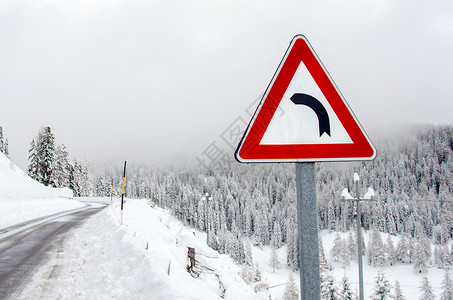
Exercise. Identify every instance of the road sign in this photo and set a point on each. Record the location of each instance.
(303, 117)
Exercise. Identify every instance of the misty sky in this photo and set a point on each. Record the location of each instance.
(149, 81)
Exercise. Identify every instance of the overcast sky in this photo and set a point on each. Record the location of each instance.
(148, 81)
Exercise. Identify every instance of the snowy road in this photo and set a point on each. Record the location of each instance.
(24, 247)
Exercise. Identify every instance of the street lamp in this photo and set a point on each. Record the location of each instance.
(368, 197)
(207, 197)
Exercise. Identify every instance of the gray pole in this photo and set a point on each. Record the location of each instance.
(207, 216)
(359, 241)
(307, 214)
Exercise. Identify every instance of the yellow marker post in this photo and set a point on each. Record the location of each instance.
(122, 191)
(111, 193)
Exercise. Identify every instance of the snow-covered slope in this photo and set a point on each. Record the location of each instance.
(14, 184)
(23, 199)
(146, 258)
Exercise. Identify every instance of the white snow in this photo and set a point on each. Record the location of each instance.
(404, 273)
(345, 194)
(356, 177)
(145, 258)
(369, 194)
(23, 199)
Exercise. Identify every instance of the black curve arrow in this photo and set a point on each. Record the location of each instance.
(318, 108)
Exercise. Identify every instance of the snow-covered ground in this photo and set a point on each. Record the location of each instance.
(146, 258)
(409, 280)
(23, 199)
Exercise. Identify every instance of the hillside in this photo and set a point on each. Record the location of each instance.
(23, 199)
(146, 258)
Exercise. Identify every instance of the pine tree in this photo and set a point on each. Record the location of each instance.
(291, 292)
(419, 257)
(75, 178)
(352, 245)
(426, 291)
(402, 252)
(337, 248)
(277, 236)
(345, 254)
(322, 257)
(46, 156)
(258, 275)
(390, 250)
(444, 254)
(61, 171)
(2, 141)
(376, 249)
(274, 261)
(382, 287)
(345, 292)
(33, 165)
(248, 254)
(398, 292)
(447, 287)
(329, 291)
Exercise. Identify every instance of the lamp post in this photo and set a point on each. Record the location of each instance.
(368, 197)
(207, 197)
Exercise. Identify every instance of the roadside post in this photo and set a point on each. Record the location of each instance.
(122, 191)
(313, 124)
(111, 193)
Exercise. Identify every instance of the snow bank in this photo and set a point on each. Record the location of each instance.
(23, 199)
(145, 258)
(15, 184)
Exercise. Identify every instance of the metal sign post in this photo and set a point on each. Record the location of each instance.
(307, 215)
(327, 131)
(122, 192)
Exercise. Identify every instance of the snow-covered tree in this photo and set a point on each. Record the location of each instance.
(248, 254)
(419, 257)
(291, 291)
(62, 169)
(274, 261)
(337, 248)
(352, 245)
(426, 290)
(398, 292)
(447, 286)
(329, 290)
(390, 251)
(45, 147)
(402, 250)
(258, 275)
(382, 288)
(346, 292)
(376, 249)
(33, 164)
(277, 236)
(3, 143)
(322, 257)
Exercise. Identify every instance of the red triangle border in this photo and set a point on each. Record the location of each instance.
(250, 150)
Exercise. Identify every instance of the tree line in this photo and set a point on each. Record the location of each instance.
(411, 177)
(49, 164)
(3, 143)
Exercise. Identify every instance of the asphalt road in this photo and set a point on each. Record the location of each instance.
(25, 246)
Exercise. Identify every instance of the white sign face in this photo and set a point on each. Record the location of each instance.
(299, 124)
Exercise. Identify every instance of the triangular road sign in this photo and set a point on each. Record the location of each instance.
(303, 117)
